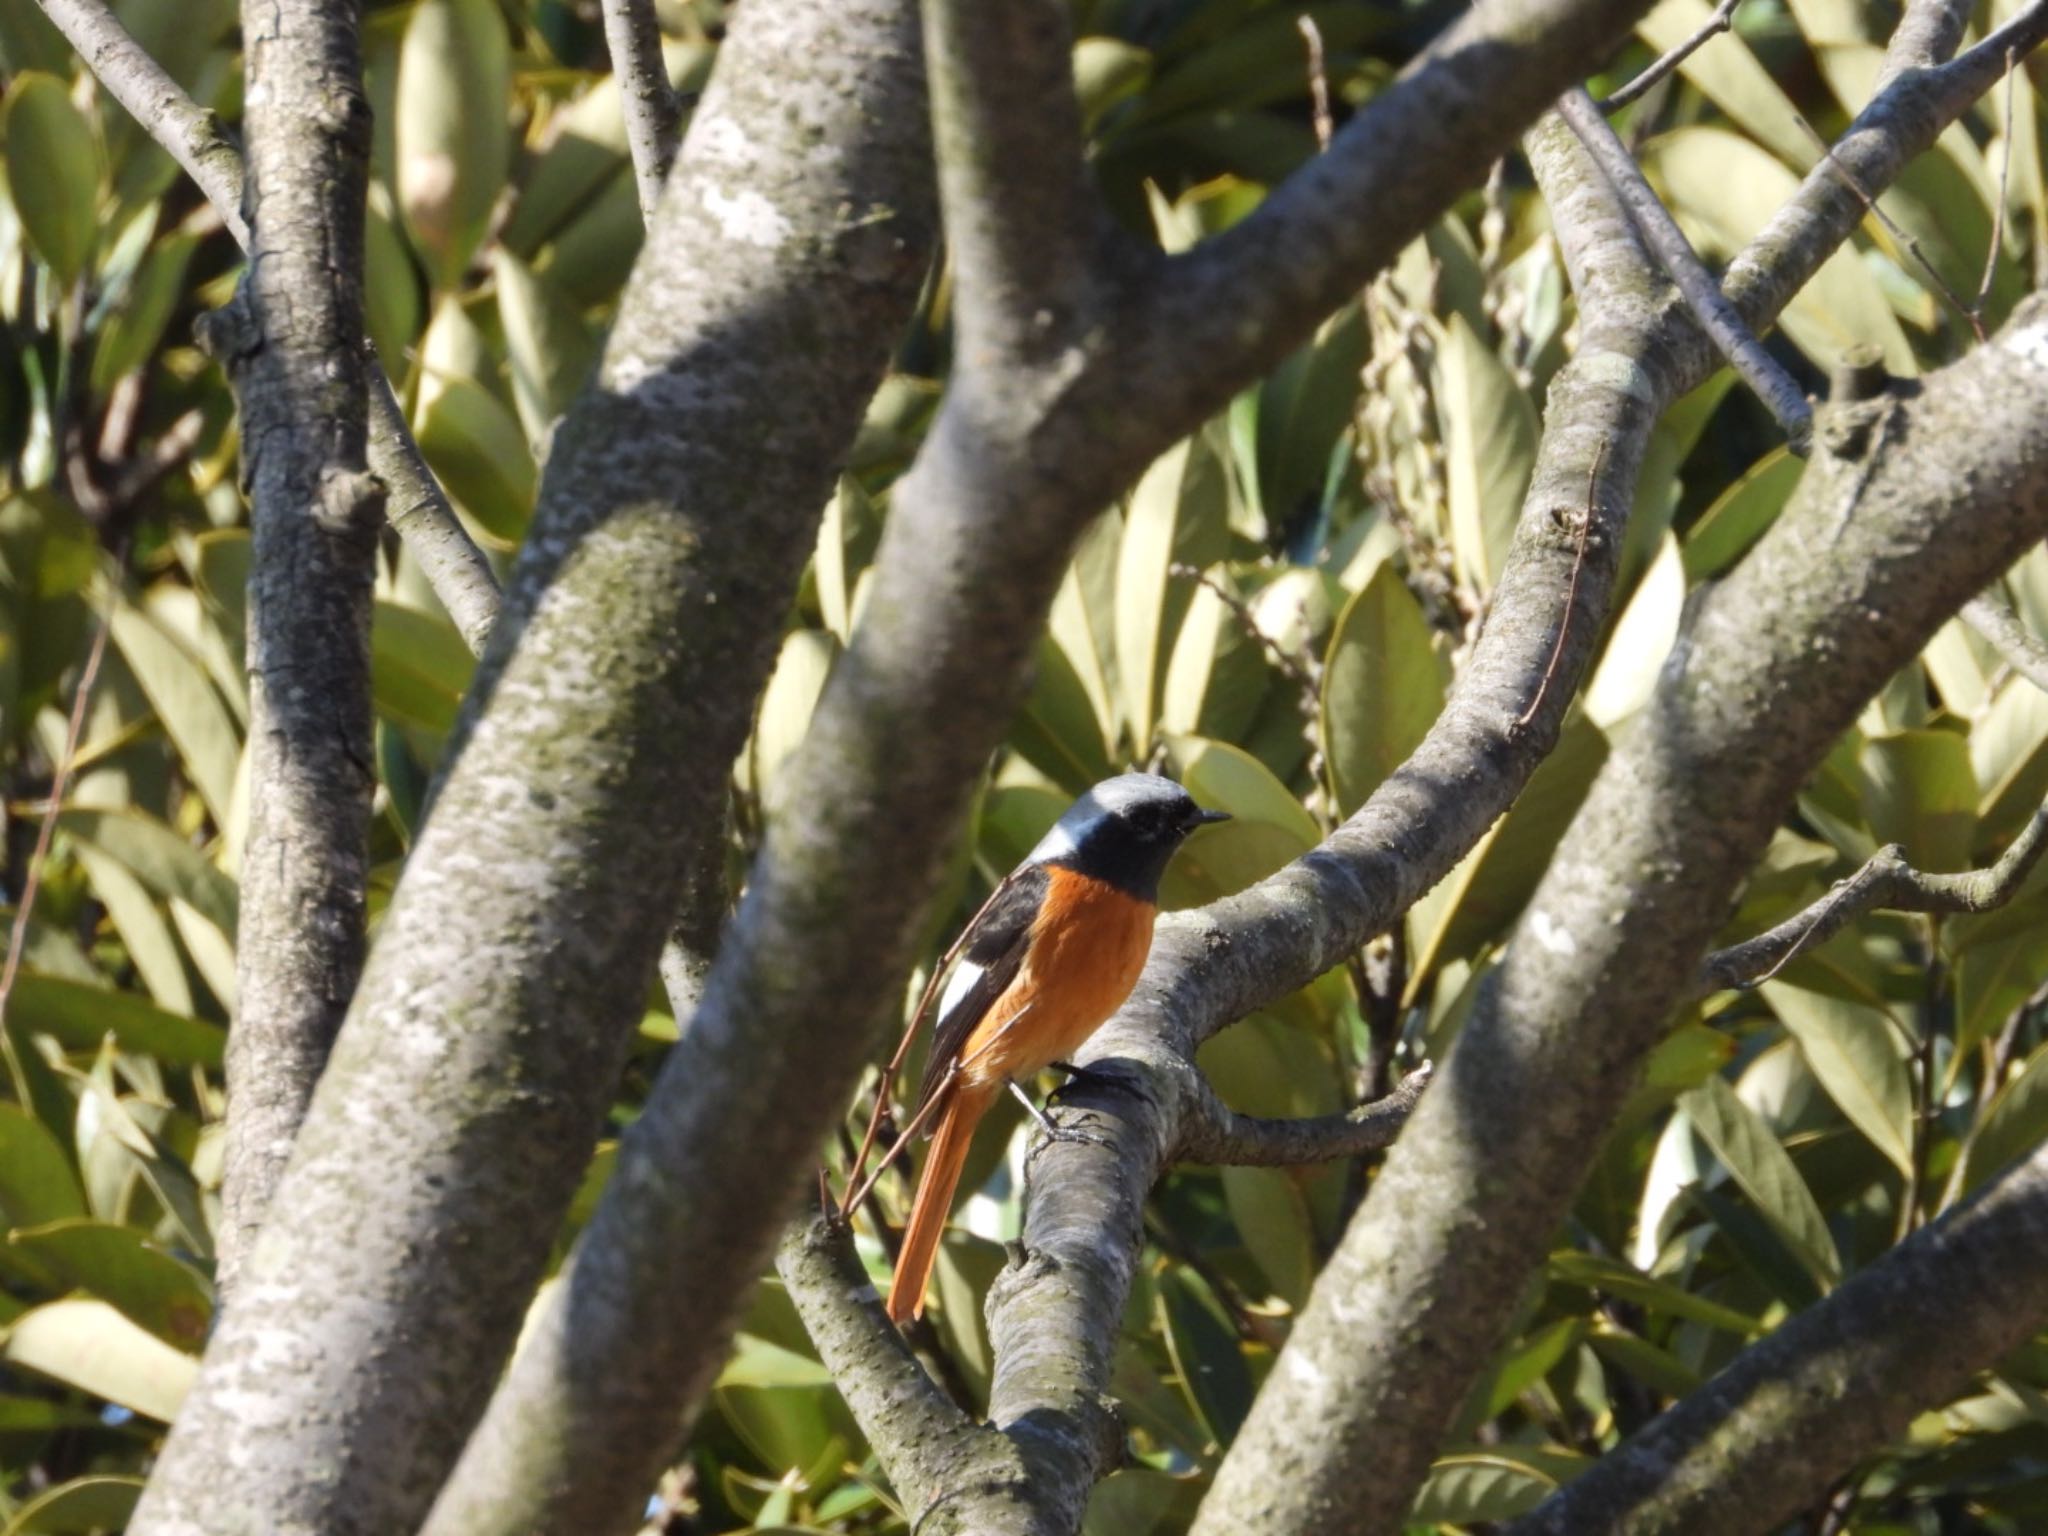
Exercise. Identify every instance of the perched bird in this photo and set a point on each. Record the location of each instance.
(1053, 954)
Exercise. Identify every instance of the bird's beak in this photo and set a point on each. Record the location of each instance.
(1205, 818)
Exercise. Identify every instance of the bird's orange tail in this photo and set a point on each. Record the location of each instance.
(934, 1202)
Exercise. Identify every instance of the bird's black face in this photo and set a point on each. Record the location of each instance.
(1125, 830)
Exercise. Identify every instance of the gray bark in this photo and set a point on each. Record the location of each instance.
(679, 503)
(654, 115)
(1060, 326)
(1880, 545)
(291, 342)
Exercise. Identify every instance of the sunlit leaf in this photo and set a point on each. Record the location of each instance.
(1382, 687)
(1855, 1052)
(90, 1345)
(1759, 1163)
(53, 171)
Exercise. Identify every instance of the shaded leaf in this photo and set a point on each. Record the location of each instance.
(1382, 687)
(53, 172)
(1854, 1050)
(1764, 1170)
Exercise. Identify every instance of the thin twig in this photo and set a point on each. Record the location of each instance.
(1571, 595)
(1217, 1135)
(1300, 671)
(1318, 80)
(1991, 255)
(1721, 21)
(1891, 227)
(896, 1148)
(1718, 317)
(17, 938)
(1997, 623)
(1886, 880)
(888, 1077)
(654, 113)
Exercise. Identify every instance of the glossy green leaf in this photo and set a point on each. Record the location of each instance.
(1176, 516)
(1758, 1162)
(1723, 189)
(169, 1298)
(1489, 450)
(1640, 641)
(1382, 687)
(1271, 1214)
(79, 1016)
(1497, 1483)
(1732, 78)
(1738, 517)
(1854, 1050)
(454, 143)
(419, 668)
(83, 1506)
(1613, 1278)
(1205, 1354)
(138, 918)
(193, 715)
(1920, 791)
(550, 349)
(786, 705)
(2015, 1124)
(166, 863)
(53, 172)
(478, 449)
(90, 1345)
(37, 1183)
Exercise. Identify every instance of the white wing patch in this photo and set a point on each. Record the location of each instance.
(964, 976)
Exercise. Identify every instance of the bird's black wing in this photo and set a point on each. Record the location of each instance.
(992, 956)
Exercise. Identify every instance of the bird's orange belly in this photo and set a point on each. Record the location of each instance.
(1088, 945)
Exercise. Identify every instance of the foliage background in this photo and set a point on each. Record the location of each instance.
(1274, 616)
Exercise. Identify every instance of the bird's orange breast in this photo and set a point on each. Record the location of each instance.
(1088, 944)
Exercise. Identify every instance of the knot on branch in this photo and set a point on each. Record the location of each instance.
(351, 502)
(231, 333)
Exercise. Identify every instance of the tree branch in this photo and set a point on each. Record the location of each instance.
(1716, 316)
(644, 615)
(1029, 445)
(454, 567)
(654, 113)
(1409, 1306)
(1800, 1408)
(1885, 881)
(1216, 1133)
(1990, 615)
(1722, 20)
(290, 340)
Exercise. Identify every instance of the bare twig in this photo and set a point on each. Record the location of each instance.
(1717, 316)
(1996, 622)
(1571, 595)
(1903, 237)
(60, 774)
(1992, 252)
(1885, 880)
(1219, 1135)
(1318, 79)
(1721, 21)
(654, 113)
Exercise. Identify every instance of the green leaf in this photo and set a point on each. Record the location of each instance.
(192, 712)
(1217, 676)
(1057, 731)
(79, 1015)
(757, 1362)
(1730, 76)
(2013, 1126)
(1738, 517)
(786, 706)
(1642, 638)
(1763, 1169)
(139, 921)
(1723, 190)
(1995, 977)
(1270, 1213)
(53, 172)
(1919, 791)
(2009, 756)
(454, 143)
(37, 1183)
(1522, 1364)
(1382, 687)
(1854, 1051)
(169, 1298)
(419, 668)
(1499, 1483)
(1614, 1278)
(78, 1508)
(90, 1345)
(550, 348)
(1658, 1369)
(1177, 516)
(128, 337)
(1205, 1353)
(1489, 450)
(477, 448)
(157, 856)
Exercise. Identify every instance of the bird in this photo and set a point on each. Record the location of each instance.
(1052, 955)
